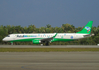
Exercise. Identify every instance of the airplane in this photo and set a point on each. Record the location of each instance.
(41, 38)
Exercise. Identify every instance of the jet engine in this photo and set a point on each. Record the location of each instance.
(36, 41)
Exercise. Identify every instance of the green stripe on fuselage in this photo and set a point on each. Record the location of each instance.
(60, 39)
(24, 40)
(30, 40)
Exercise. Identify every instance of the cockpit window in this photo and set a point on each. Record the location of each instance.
(8, 36)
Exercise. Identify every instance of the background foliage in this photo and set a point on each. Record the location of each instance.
(65, 28)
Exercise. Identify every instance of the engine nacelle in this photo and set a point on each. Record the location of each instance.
(53, 40)
(36, 41)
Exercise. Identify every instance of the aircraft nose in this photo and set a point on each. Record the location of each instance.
(3, 39)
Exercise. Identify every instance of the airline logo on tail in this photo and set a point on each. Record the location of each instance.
(88, 29)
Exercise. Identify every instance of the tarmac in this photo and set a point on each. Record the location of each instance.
(49, 60)
(51, 46)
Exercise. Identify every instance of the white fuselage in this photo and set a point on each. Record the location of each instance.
(44, 35)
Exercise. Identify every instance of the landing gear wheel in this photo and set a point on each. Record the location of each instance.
(47, 43)
(41, 44)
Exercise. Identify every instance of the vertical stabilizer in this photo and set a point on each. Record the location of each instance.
(87, 28)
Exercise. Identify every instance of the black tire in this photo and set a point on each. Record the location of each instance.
(47, 43)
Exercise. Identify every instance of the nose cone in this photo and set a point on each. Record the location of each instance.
(3, 39)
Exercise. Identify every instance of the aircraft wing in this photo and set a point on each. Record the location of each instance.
(48, 39)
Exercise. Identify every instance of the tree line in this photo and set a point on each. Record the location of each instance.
(65, 28)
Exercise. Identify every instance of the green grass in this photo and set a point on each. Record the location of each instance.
(47, 49)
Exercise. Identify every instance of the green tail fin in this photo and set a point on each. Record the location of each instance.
(87, 28)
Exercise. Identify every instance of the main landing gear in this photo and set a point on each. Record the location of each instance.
(45, 44)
